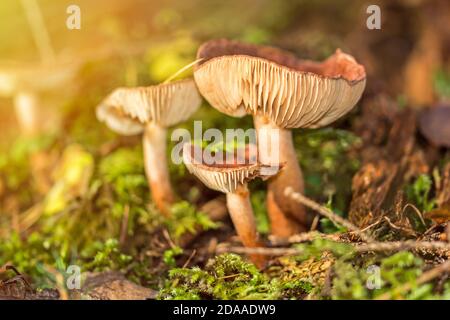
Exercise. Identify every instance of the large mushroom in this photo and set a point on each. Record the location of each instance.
(282, 92)
(151, 110)
(231, 178)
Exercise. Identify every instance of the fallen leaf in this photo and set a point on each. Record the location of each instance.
(434, 125)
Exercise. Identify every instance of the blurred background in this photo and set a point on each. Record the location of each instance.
(143, 42)
(65, 167)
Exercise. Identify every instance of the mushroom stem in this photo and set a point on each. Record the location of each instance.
(275, 146)
(26, 105)
(155, 162)
(241, 213)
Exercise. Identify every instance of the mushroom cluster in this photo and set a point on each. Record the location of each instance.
(280, 91)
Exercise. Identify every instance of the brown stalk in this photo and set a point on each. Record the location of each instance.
(155, 162)
(286, 216)
(26, 105)
(241, 214)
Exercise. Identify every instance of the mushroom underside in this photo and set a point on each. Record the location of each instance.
(223, 176)
(165, 104)
(338, 65)
(242, 84)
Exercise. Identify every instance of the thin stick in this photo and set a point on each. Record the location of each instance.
(403, 245)
(259, 250)
(425, 277)
(326, 213)
(182, 70)
(302, 237)
(169, 240)
(39, 30)
(417, 211)
(189, 259)
(374, 246)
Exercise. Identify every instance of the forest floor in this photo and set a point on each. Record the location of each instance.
(75, 200)
(380, 233)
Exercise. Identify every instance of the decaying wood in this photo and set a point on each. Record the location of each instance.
(389, 165)
(18, 287)
(443, 197)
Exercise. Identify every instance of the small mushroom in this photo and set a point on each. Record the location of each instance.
(27, 82)
(231, 178)
(151, 110)
(434, 125)
(282, 93)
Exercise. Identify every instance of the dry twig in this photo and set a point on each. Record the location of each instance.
(326, 213)
(303, 237)
(367, 247)
(403, 245)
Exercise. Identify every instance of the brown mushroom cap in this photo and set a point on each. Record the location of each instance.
(126, 110)
(238, 78)
(434, 124)
(224, 177)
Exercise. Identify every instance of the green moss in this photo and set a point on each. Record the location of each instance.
(107, 256)
(328, 226)
(185, 218)
(227, 276)
(82, 225)
(442, 83)
(170, 255)
(419, 193)
(328, 164)
(319, 245)
(258, 200)
(83, 229)
(359, 281)
(15, 163)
